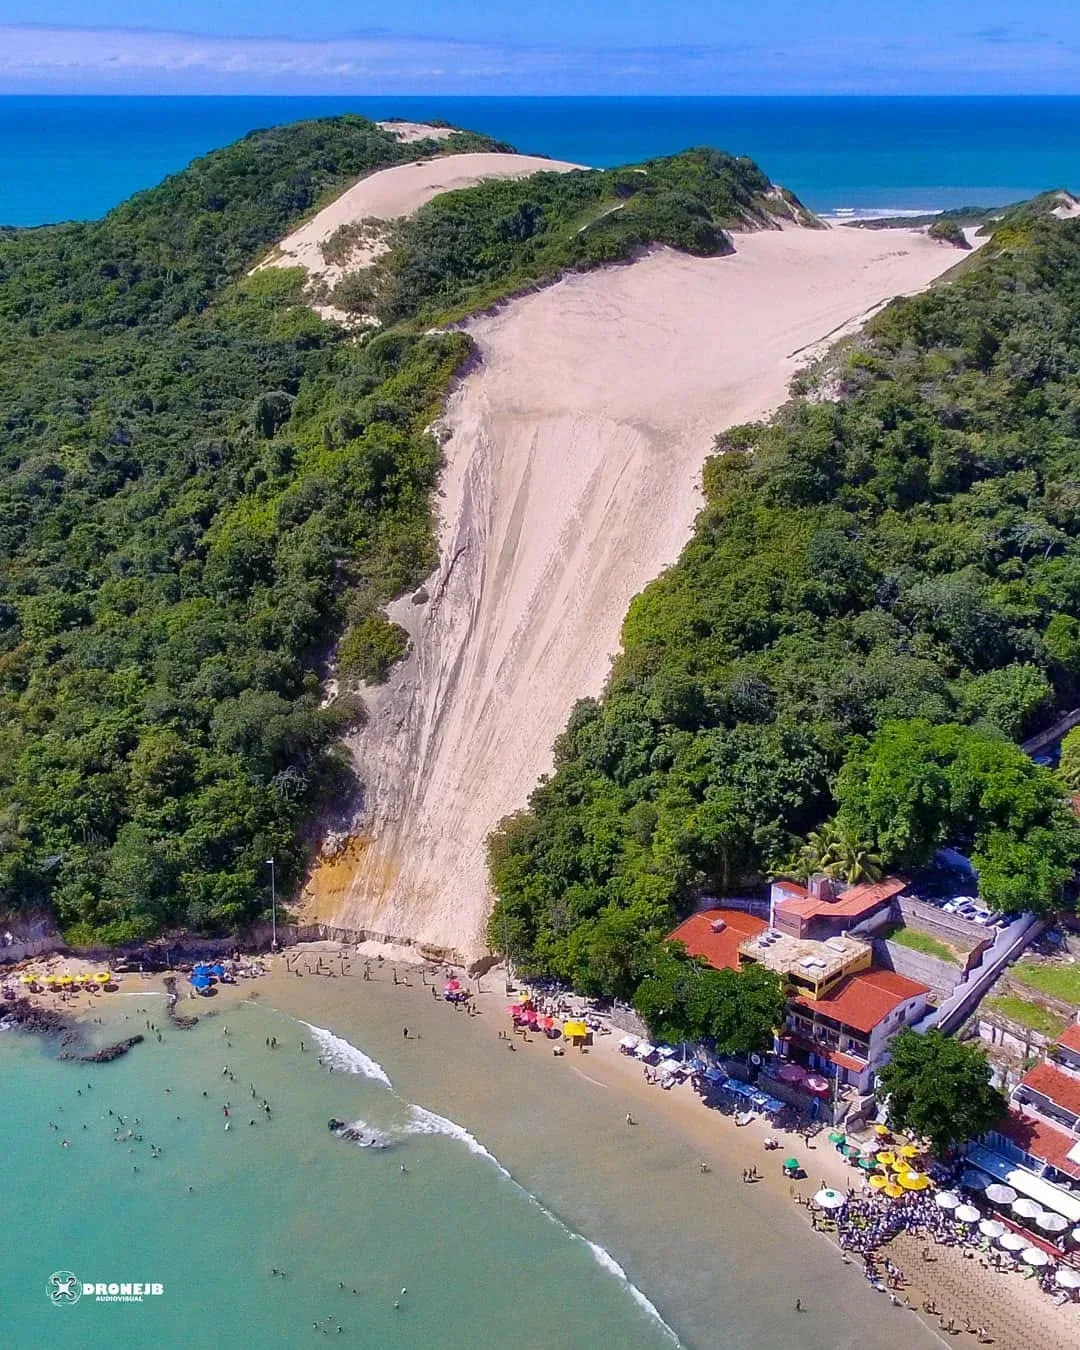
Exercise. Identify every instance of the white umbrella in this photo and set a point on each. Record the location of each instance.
(1026, 1209)
(1066, 1278)
(999, 1194)
(1032, 1256)
(1075, 1234)
(1012, 1242)
(828, 1199)
(966, 1214)
(1051, 1223)
(947, 1199)
(991, 1228)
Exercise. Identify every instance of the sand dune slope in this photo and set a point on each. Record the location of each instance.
(572, 479)
(395, 192)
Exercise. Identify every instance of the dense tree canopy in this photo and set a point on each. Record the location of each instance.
(201, 484)
(681, 998)
(894, 571)
(939, 1089)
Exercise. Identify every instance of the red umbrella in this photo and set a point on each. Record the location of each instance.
(453, 986)
(514, 1010)
(547, 1023)
(815, 1083)
(792, 1073)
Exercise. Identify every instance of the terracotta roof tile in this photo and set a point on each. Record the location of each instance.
(721, 950)
(1051, 1082)
(1070, 1038)
(1043, 1141)
(864, 1000)
(851, 904)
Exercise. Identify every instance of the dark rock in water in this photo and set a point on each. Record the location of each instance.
(334, 1124)
(22, 1014)
(103, 1056)
(177, 1019)
(364, 1135)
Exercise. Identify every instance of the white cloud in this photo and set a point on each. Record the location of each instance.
(145, 61)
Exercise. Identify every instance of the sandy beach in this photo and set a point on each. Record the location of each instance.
(572, 469)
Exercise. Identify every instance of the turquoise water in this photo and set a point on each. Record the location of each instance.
(75, 157)
(483, 1264)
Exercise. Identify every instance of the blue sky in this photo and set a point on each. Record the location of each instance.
(540, 46)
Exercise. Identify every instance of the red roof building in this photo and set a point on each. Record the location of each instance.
(824, 910)
(865, 1000)
(1042, 1142)
(715, 934)
(1054, 1093)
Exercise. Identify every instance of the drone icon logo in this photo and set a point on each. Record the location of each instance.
(63, 1287)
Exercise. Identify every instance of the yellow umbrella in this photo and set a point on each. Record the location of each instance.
(52, 979)
(104, 977)
(575, 1029)
(881, 1130)
(892, 1190)
(879, 1182)
(908, 1151)
(28, 979)
(67, 979)
(913, 1181)
(886, 1159)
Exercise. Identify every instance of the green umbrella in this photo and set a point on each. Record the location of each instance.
(867, 1164)
(835, 1137)
(793, 1164)
(850, 1151)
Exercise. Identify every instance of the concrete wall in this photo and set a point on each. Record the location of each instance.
(1011, 1036)
(624, 1018)
(23, 950)
(1010, 942)
(952, 927)
(942, 977)
(1035, 745)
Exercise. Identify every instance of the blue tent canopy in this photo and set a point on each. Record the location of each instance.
(739, 1088)
(217, 969)
(200, 980)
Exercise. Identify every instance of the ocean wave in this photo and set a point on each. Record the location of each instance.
(339, 1054)
(877, 212)
(423, 1121)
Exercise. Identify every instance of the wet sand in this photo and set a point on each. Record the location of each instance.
(723, 1261)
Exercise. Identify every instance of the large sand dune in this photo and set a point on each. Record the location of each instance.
(571, 480)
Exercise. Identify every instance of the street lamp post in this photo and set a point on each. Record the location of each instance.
(273, 905)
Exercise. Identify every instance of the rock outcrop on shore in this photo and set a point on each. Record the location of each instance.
(21, 1014)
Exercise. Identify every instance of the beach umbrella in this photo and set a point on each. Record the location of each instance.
(879, 1182)
(1067, 1278)
(28, 979)
(1032, 1256)
(892, 1190)
(947, 1199)
(850, 1151)
(1026, 1209)
(104, 977)
(514, 1010)
(991, 1228)
(966, 1214)
(913, 1181)
(791, 1073)
(829, 1199)
(868, 1165)
(1075, 1234)
(999, 1194)
(880, 1129)
(836, 1137)
(909, 1151)
(886, 1159)
(1051, 1223)
(815, 1083)
(1012, 1242)
(972, 1180)
(792, 1165)
(573, 1029)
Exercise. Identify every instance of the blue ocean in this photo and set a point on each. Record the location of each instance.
(72, 158)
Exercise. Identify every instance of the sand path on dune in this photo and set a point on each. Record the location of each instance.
(395, 192)
(572, 479)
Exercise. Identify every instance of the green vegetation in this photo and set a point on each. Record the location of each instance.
(1059, 981)
(939, 1089)
(681, 998)
(466, 249)
(1026, 1014)
(201, 483)
(1069, 763)
(879, 592)
(949, 231)
(922, 942)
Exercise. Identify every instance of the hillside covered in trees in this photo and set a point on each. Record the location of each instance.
(205, 486)
(882, 595)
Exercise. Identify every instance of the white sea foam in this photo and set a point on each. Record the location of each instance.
(423, 1121)
(339, 1054)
